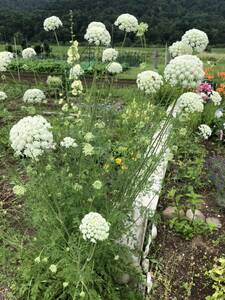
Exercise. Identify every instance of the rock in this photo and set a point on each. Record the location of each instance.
(171, 211)
(197, 215)
(214, 221)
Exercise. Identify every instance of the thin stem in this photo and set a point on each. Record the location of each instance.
(56, 38)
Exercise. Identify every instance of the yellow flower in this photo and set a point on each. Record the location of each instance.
(118, 161)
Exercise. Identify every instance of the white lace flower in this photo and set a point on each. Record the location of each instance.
(109, 55)
(94, 227)
(96, 24)
(127, 22)
(52, 23)
(31, 136)
(54, 81)
(114, 68)
(205, 131)
(197, 39)
(189, 103)
(34, 96)
(3, 96)
(97, 35)
(185, 70)
(5, 59)
(77, 88)
(142, 28)
(216, 98)
(97, 185)
(73, 54)
(76, 71)
(68, 142)
(88, 149)
(28, 53)
(149, 82)
(89, 137)
(180, 48)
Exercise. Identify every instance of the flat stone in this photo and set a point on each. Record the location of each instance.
(196, 215)
(215, 221)
(171, 211)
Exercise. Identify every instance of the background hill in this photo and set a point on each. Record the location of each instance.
(168, 19)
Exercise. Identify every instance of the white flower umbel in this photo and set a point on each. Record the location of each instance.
(142, 28)
(109, 55)
(114, 68)
(149, 82)
(189, 103)
(197, 39)
(97, 35)
(52, 23)
(179, 48)
(31, 136)
(185, 70)
(205, 131)
(68, 142)
(94, 227)
(96, 24)
(73, 54)
(3, 96)
(127, 23)
(216, 98)
(77, 88)
(28, 53)
(54, 81)
(5, 59)
(76, 71)
(34, 96)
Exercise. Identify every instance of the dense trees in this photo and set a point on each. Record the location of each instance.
(168, 19)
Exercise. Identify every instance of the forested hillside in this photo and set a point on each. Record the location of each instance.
(168, 19)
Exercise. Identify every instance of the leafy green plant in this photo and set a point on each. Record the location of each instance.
(189, 229)
(217, 275)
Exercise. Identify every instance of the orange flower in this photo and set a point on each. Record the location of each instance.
(221, 74)
(210, 77)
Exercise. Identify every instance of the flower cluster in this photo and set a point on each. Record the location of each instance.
(72, 53)
(5, 59)
(109, 55)
(205, 90)
(54, 81)
(97, 34)
(68, 142)
(28, 53)
(94, 227)
(190, 103)
(76, 71)
(114, 68)
(205, 131)
(197, 39)
(33, 96)
(184, 70)
(127, 23)
(88, 149)
(31, 136)
(77, 88)
(216, 98)
(179, 48)
(52, 23)
(3, 96)
(149, 82)
(142, 28)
